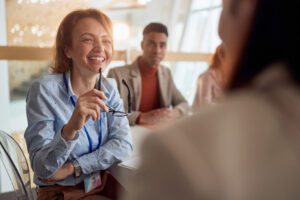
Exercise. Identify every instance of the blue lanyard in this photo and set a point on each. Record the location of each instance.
(85, 129)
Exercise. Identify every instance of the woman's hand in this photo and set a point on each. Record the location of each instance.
(62, 173)
(87, 106)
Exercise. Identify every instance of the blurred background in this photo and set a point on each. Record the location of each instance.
(28, 29)
(192, 25)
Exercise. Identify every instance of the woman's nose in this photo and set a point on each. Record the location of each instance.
(98, 46)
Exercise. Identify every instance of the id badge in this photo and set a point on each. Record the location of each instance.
(93, 181)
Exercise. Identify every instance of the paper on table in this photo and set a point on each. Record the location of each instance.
(131, 163)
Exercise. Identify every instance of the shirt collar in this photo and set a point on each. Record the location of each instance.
(69, 85)
(97, 86)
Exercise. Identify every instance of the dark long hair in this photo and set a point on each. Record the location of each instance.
(274, 37)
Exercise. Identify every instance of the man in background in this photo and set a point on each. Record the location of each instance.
(154, 96)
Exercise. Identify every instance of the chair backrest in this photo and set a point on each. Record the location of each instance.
(16, 166)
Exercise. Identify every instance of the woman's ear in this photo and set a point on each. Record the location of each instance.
(67, 52)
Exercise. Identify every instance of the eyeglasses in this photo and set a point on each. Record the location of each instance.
(114, 112)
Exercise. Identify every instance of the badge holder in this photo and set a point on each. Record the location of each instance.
(92, 182)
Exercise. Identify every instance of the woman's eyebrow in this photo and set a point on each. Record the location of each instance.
(93, 35)
(90, 34)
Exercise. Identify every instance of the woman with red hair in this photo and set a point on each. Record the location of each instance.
(72, 135)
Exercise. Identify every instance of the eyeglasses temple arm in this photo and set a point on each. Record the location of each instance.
(100, 79)
(129, 96)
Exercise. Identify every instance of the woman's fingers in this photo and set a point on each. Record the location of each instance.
(88, 105)
(98, 93)
(94, 96)
(98, 102)
(94, 111)
(90, 111)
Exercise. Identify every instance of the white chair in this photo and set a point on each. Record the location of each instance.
(16, 167)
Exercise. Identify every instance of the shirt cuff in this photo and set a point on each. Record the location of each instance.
(61, 143)
(87, 163)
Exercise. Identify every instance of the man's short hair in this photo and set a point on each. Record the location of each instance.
(155, 27)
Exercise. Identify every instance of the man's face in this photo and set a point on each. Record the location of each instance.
(154, 46)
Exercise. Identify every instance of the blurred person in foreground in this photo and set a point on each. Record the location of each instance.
(209, 84)
(248, 147)
(155, 98)
(72, 137)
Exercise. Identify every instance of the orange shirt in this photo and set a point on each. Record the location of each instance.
(150, 89)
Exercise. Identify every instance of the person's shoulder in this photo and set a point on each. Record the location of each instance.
(244, 115)
(164, 68)
(118, 68)
(121, 69)
(208, 74)
(165, 71)
(48, 85)
(241, 108)
(119, 72)
(243, 111)
(50, 80)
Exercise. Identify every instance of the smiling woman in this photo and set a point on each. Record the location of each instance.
(80, 21)
(91, 47)
(68, 120)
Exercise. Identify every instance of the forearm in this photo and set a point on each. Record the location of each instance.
(113, 151)
(48, 159)
(68, 133)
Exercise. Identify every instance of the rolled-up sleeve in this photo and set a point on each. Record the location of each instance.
(47, 149)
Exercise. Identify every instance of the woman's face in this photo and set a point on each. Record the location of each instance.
(235, 20)
(234, 26)
(91, 47)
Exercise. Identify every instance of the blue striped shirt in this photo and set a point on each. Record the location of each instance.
(49, 108)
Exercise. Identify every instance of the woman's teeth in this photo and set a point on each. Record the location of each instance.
(101, 59)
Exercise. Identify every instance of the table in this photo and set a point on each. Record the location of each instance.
(125, 169)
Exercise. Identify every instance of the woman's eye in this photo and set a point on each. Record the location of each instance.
(107, 42)
(87, 40)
